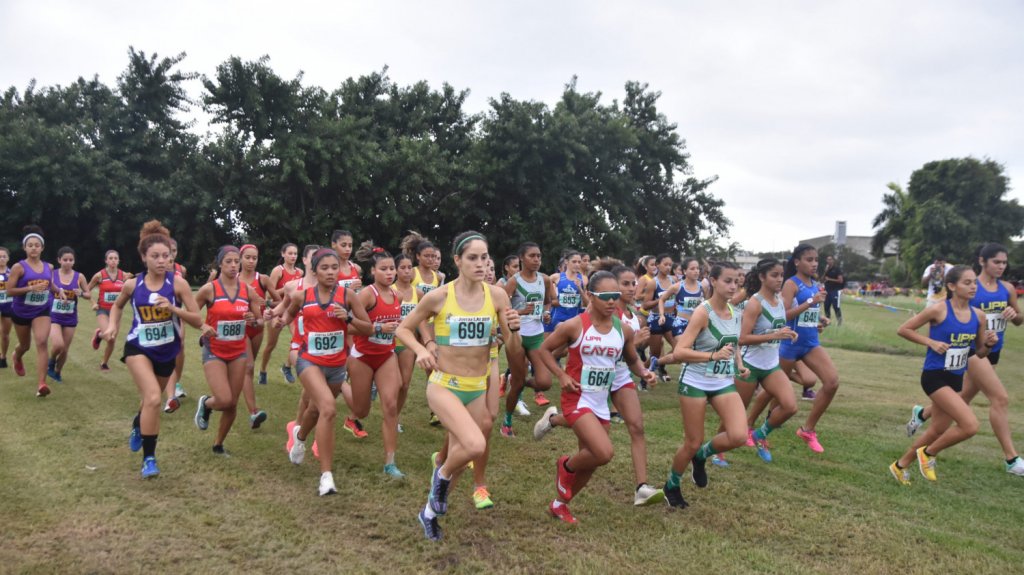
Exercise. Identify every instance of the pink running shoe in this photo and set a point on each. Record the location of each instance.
(750, 437)
(811, 438)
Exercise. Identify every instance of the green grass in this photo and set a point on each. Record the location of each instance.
(73, 501)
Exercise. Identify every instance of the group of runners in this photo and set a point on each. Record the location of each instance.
(359, 330)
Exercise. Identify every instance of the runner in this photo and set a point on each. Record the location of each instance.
(323, 355)
(283, 273)
(662, 314)
(31, 287)
(956, 327)
(427, 258)
(803, 296)
(530, 295)
(997, 299)
(110, 280)
(260, 290)
(509, 267)
(230, 308)
(373, 357)
(159, 301)
(834, 282)
(6, 313)
(459, 371)
(686, 296)
(410, 296)
(64, 311)
(708, 348)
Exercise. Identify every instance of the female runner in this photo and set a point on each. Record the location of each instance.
(6, 313)
(284, 272)
(260, 291)
(31, 287)
(64, 311)
(110, 281)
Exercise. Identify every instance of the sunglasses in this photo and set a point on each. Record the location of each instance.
(607, 295)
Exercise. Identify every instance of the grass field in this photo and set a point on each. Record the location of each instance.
(72, 500)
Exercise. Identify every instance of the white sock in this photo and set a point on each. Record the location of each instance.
(428, 512)
(556, 504)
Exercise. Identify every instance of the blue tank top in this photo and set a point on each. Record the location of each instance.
(570, 299)
(960, 337)
(33, 304)
(687, 301)
(670, 304)
(992, 304)
(805, 324)
(157, 332)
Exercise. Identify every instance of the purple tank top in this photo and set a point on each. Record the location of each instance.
(5, 300)
(33, 304)
(157, 332)
(65, 312)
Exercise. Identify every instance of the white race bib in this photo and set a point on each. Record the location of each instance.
(407, 309)
(37, 298)
(595, 379)
(568, 299)
(538, 305)
(325, 343)
(381, 338)
(956, 358)
(426, 288)
(231, 330)
(156, 334)
(809, 318)
(63, 306)
(691, 303)
(4, 298)
(721, 368)
(469, 331)
(110, 296)
(995, 322)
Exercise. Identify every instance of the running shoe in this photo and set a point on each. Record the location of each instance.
(763, 450)
(296, 447)
(808, 394)
(438, 499)
(674, 498)
(564, 479)
(400, 428)
(506, 431)
(43, 390)
(327, 484)
(286, 371)
(652, 366)
(262, 379)
(434, 420)
(719, 460)
(179, 391)
(502, 384)
(149, 468)
(316, 449)
(699, 473)
(19, 368)
(171, 405)
(540, 399)
(521, 409)
(811, 439)
(51, 370)
(431, 529)
(750, 437)
(647, 495)
(433, 459)
(257, 419)
(1016, 468)
(916, 421)
(288, 429)
(96, 339)
(616, 418)
(56, 377)
(104, 367)
(219, 450)
(561, 512)
(392, 471)
(373, 391)
(3, 363)
(901, 475)
(543, 425)
(135, 439)
(926, 463)
(355, 427)
(202, 417)
(482, 498)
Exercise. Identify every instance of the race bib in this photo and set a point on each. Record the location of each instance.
(809, 318)
(774, 342)
(721, 369)
(426, 288)
(156, 334)
(63, 306)
(995, 322)
(568, 299)
(381, 338)
(538, 305)
(37, 298)
(231, 330)
(691, 303)
(469, 331)
(407, 309)
(325, 343)
(595, 379)
(346, 283)
(4, 298)
(956, 358)
(110, 296)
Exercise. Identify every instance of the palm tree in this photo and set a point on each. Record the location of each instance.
(891, 223)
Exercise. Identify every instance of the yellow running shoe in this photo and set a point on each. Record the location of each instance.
(926, 463)
(482, 498)
(901, 475)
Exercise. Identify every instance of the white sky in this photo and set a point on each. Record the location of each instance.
(805, 110)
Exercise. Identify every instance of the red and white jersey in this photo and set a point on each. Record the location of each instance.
(227, 318)
(382, 312)
(592, 359)
(622, 375)
(345, 280)
(323, 337)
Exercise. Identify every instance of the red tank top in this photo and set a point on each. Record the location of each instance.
(323, 335)
(110, 288)
(287, 276)
(178, 270)
(381, 313)
(227, 317)
(347, 279)
(256, 287)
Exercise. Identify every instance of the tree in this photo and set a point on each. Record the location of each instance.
(892, 221)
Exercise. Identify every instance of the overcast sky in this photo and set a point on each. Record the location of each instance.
(805, 110)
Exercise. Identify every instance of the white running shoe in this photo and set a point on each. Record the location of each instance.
(521, 409)
(297, 454)
(543, 425)
(179, 391)
(647, 495)
(327, 484)
(915, 422)
(1016, 468)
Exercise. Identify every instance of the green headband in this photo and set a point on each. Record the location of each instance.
(468, 238)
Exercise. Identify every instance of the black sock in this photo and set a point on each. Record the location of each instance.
(898, 466)
(218, 449)
(148, 445)
(639, 485)
(1011, 460)
(137, 421)
(926, 452)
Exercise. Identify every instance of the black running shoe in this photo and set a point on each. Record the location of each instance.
(700, 475)
(674, 498)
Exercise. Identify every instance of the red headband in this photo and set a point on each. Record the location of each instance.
(247, 246)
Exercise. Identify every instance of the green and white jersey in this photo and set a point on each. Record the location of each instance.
(771, 319)
(719, 374)
(530, 292)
